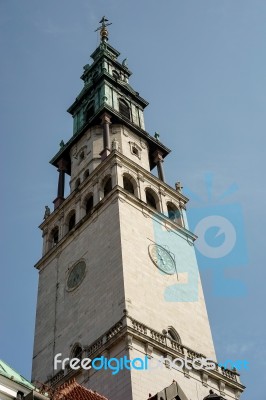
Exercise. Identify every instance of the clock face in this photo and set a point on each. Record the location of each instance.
(162, 259)
(76, 275)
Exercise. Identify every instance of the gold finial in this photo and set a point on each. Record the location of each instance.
(103, 29)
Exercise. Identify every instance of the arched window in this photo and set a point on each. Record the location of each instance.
(107, 186)
(124, 109)
(173, 335)
(173, 213)
(151, 199)
(54, 238)
(71, 221)
(89, 110)
(89, 204)
(76, 352)
(128, 185)
(82, 156)
(20, 395)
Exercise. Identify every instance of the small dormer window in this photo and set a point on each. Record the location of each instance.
(135, 149)
(81, 155)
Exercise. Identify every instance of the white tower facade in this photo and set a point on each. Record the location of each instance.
(118, 274)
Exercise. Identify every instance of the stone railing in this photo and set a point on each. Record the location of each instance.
(113, 331)
(177, 347)
(94, 347)
(139, 327)
(147, 333)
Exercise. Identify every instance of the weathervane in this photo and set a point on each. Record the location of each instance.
(102, 29)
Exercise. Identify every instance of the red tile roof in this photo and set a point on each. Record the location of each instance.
(71, 390)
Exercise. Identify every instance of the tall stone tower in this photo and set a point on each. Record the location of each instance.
(118, 274)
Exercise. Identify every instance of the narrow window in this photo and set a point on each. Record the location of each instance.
(86, 174)
(124, 109)
(89, 205)
(77, 183)
(173, 213)
(55, 236)
(150, 199)
(90, 111)
(128, 185)
(72, 222)
(77, 352)
(107, 186)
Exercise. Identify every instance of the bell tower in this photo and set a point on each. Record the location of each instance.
(118, 275)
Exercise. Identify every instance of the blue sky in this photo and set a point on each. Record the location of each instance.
(201, 65)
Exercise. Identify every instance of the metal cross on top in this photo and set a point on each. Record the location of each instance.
(103, 28)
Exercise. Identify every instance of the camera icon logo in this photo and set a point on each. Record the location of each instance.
(220, 246)
(221, 243)
(220, 232)
(224, 228)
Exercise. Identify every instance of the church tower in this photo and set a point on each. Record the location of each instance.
(118, 274)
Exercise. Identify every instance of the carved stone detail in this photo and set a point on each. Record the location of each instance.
(221, 387)
(141, 177)
(186, 372)
(148, 350)
(204, 379)
(129, 342)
